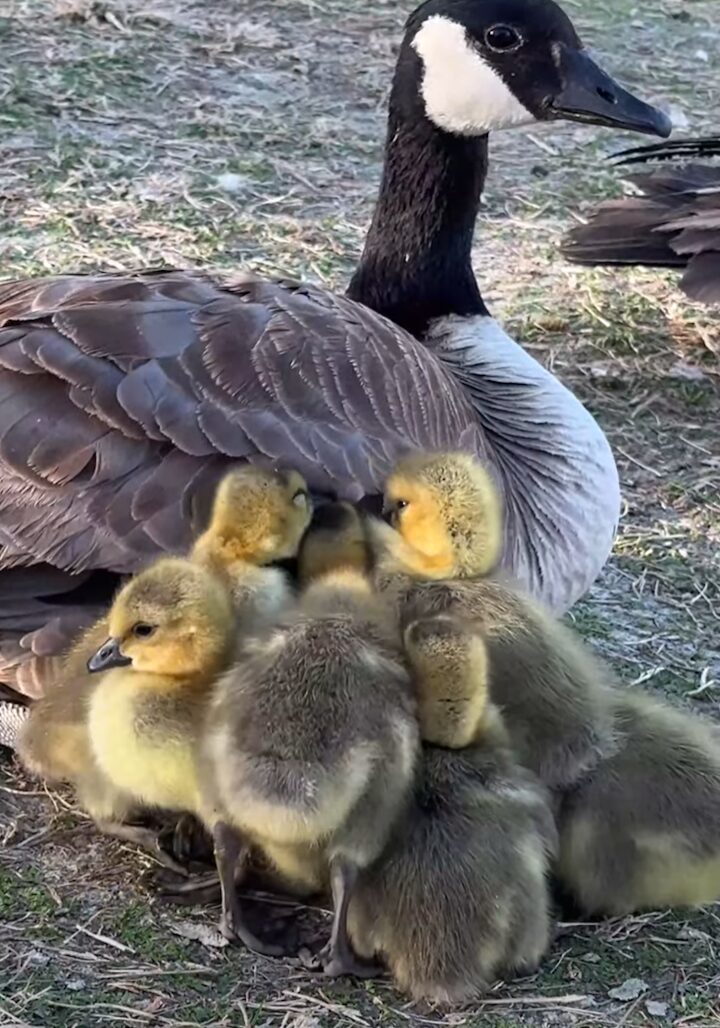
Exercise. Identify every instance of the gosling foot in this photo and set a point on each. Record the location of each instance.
(337, 962)
(338, 965)
(147, 839)
(198, 890)
(234, 929)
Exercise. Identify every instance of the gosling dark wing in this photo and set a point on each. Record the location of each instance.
(123, 398)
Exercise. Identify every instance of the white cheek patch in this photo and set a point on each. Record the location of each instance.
(462, 92)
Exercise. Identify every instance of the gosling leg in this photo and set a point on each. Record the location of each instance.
(337, 957)
(146, 838)
(190, 842)
(231, 851)
(198, 890)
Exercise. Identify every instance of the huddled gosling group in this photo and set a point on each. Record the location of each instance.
(396, 725)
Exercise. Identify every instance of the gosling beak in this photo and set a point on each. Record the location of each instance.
(108, 656)
(590, 95)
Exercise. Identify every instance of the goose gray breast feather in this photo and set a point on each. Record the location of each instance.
(122, 399)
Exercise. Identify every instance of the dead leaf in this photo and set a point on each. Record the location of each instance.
(655, 1008)
(205, 934)
(630, 989)
(686, 372)
(230, 182)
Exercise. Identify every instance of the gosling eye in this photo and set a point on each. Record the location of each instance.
(300, 498)
(503, 38)
(142, 630)
(398, 506)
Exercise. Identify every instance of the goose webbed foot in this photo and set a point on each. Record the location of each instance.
(340, 961)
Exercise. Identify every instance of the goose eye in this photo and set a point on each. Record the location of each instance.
(300, 498)
(401, 505)
(142, 630)
(502, 37)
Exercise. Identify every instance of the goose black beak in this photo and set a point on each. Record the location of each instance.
(590, 95)
(108, 656)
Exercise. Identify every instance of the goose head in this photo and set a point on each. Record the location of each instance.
(483, 65)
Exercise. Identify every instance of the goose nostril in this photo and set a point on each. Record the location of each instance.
(606, 95)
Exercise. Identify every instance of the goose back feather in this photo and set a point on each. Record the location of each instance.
(123, 398)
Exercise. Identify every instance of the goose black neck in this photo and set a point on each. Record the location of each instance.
(416, 264)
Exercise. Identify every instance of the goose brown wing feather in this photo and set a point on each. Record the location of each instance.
(42, 610)
(674, 222)
(122, 398)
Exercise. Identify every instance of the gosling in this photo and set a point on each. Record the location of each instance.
(53, 743)
(642, 830)
(312, 742)
(436, 556)
(258, 518)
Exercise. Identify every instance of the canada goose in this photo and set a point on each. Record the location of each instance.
(123, 397)
(673, 223)
(435, 559)
(460, 896)
(642, 830)
(311, 745)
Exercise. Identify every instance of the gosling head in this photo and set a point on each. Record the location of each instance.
(446, 510)
(482, 65)
(173, 619)
(335, 541)
(258, 516)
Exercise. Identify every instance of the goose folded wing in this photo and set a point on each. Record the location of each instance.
(674, 222)
(122, 399)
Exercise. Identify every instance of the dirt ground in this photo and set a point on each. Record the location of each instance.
(233, 133)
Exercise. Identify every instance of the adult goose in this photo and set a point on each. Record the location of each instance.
(674, 222)
(124, 397)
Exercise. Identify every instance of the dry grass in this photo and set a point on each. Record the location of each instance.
(231, 132)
